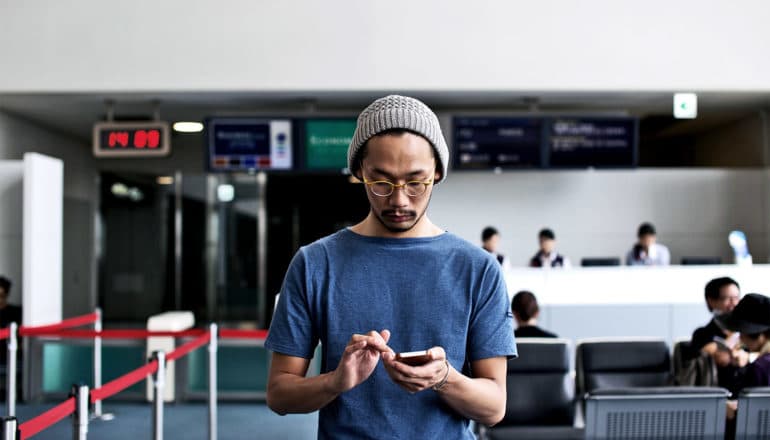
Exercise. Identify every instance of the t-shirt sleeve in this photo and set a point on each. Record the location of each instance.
(291, 330)
(491, 327)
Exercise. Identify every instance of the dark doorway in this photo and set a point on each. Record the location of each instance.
(302, 209)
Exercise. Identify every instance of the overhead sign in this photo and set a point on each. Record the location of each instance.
(327, 142)
(242, 144)
(685, 105)
(131, 139)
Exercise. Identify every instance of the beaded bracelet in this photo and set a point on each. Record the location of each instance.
(441, 384)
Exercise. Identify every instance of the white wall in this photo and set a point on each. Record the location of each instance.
(42, 244)
(596, 213)
(431, 45)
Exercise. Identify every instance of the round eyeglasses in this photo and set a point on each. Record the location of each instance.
(384, 188)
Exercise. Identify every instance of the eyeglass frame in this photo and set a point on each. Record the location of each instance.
(393, 186)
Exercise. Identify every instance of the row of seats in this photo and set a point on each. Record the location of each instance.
(623, 387)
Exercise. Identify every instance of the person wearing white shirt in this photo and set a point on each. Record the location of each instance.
(547, 257)
(646, 252)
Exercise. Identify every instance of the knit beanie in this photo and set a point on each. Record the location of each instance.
(403, 112)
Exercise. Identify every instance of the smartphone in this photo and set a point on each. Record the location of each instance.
(414, 357)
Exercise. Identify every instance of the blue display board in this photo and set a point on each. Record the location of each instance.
(242, 144)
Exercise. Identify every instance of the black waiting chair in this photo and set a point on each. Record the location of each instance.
(600, 261)
(660, 413)
(541, 398)
(753, 417)
(622, 363)
(701, 261)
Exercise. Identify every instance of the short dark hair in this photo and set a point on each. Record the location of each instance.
(6, 284)
(488, 233)
(361, 154)
(546, 233)
(524, 305)
(714, 286)
(645, 229)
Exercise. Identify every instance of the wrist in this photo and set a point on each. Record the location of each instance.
(442, 383)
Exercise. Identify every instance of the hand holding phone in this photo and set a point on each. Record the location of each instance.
(414, 358)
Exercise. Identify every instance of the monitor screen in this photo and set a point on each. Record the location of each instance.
(488, 143)
(242, 144)
(326, 143)
(591, 142)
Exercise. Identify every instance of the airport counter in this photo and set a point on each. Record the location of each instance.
(627, 301)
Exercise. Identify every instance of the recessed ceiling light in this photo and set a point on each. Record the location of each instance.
(188, 127)
(165, 180)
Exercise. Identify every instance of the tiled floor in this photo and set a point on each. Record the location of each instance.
(184, 421)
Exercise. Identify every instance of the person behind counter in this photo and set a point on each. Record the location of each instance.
(525, 311)
(646, 251)
(547, 256)
(490, 241)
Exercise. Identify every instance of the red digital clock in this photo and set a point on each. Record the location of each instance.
(131, 139)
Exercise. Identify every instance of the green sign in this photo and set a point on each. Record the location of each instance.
(326, 143)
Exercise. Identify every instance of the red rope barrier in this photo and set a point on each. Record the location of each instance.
(5, 333)
(46, 419)
(122, 333)
(242, 334)
(185, 349)
(117, 385)
(77, 321)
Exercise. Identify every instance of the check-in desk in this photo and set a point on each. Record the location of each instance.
(626, 301)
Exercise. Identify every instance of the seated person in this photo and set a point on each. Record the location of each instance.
(751, 317)
(490, 240)
(525, 311)
(722, 294)
(646, 252)
(8, 313)
(547, 256)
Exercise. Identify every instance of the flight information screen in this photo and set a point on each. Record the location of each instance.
(484, 143)
(592, 142)
(242, 144)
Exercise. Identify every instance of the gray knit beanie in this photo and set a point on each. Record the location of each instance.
(396, 111)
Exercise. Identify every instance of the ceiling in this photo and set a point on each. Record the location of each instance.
(75, 114)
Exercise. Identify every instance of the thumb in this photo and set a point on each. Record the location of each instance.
(385, 335)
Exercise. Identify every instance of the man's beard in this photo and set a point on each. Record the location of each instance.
(382, 218)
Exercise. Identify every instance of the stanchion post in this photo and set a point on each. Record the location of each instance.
(213, 332)
(10, 378)
(159, 382)
(80, 416)
(10, 428)
(98, 361)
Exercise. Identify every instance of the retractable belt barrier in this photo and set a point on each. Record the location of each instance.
(81, 397)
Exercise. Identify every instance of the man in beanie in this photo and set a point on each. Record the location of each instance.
(393, 283)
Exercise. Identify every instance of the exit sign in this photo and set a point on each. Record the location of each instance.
(131, 139)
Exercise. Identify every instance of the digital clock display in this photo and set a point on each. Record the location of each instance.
(131, 139)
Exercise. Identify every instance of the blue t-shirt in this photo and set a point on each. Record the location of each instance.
(428, 291)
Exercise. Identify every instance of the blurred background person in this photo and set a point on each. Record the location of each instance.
(646, 251)
(715, 340)
(547, 256)
(490, 241)
(525, 311)
(8, 312)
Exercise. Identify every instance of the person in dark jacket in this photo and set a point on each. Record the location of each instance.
(751, 317)
(714, 339)
(525, 311)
